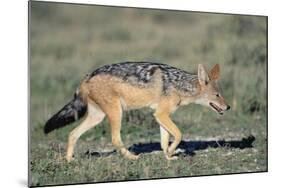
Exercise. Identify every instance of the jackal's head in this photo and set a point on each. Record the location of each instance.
(210, 94)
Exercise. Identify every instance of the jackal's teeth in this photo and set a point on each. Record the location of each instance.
(218, 109)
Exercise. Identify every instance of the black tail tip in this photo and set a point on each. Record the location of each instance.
(46, 130)
(48, 127)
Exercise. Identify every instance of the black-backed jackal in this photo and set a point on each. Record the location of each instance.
(132, 85)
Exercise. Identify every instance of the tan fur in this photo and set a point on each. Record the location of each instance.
(109, 95)
(104, 87)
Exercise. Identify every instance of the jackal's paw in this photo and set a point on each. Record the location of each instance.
(169, 157)
(132, 156)
(171, 151)
(69, 158)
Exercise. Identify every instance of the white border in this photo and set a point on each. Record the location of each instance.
(13, 156)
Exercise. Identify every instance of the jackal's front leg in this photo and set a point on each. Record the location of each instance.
(164, 139)
(164, 120)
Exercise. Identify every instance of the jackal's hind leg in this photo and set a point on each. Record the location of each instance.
(114, 113)
(94, 117)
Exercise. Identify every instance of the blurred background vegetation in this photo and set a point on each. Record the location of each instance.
(67, 41)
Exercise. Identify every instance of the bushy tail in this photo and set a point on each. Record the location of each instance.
(71, 112)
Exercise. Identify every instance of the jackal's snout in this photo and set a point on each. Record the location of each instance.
(228, 107)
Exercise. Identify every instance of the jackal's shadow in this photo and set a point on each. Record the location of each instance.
(185, 147)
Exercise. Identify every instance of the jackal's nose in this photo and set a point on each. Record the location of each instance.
(228, 107)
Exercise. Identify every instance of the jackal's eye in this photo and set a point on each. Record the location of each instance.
(217, 95)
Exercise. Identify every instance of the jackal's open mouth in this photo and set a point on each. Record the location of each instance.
(218, 109)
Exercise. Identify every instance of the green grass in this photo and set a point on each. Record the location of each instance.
(69, 41)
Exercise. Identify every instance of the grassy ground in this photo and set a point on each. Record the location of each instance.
(69, 41)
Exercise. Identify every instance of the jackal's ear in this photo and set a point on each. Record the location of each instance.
(215, 72)
(203, 76)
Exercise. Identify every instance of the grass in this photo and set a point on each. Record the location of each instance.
(68, 41)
